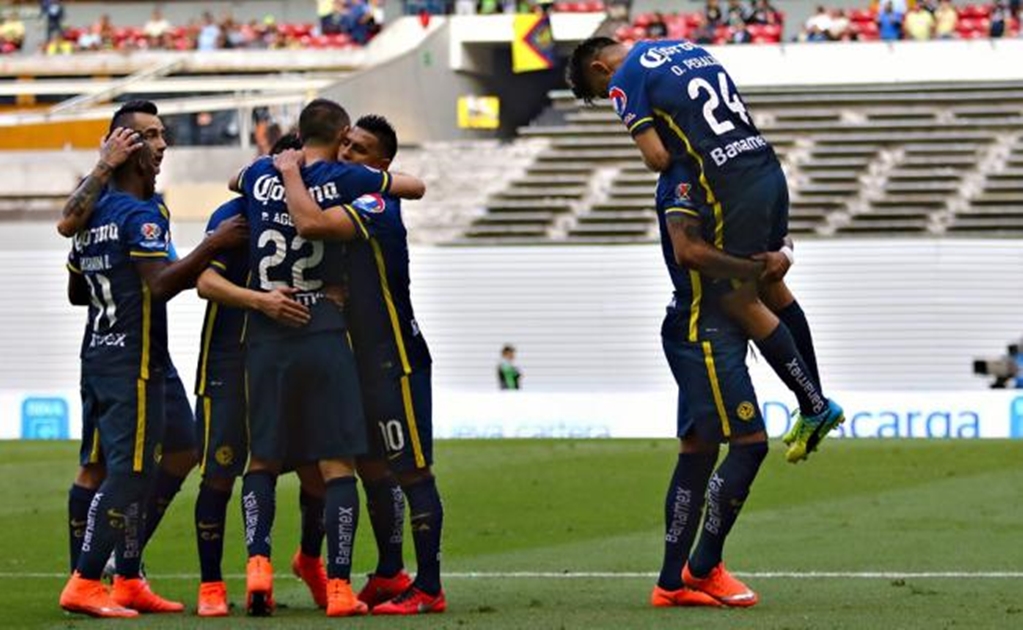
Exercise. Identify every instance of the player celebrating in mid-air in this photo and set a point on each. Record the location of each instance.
(394, 371)
(681, 106)
(121, 267)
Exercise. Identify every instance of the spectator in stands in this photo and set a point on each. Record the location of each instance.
(889, 23)
(764, 13)
(508, 375)
(333, 22)
(736, 13)
(234, 34)
(946, 18)
(702, 31)
(818, 24)
(324, 10)
(358, 22)
(712, 13)
(12, 33)
(838, 30)
(900, 6)
(100, 35)
(919, 24)
(657, 28)
(54, 12)
(210, 35)
(999, 18)
(465, 7)
(59, 46)
(156, 27)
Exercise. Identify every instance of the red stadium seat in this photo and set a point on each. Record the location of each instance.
(692, 19)
(643, 20)
(861, 15)
(678, 30)
(595, 6)
(773, 32)
(975, 11)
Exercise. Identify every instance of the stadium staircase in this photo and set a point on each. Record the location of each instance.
(898, 159)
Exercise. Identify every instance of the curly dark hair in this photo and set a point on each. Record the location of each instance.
(384, 132)
(582, 56)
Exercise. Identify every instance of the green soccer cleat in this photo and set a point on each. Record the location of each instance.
(807, 432)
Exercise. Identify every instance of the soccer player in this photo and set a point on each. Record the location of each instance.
(680, 105)
(120, 266)
(178, 446)
(303, 387)
(394, 372)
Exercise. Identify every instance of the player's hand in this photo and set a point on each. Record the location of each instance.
(278, 306)
(118, 146)
(776, 265)
(290, 159)
(231, 233)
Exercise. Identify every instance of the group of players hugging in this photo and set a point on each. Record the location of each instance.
(312, 361)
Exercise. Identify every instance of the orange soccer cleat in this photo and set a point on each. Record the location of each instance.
(681, 597)
(310, 570)
(722, 586)
(259, 587)
(135, 593)
(91, 597)
(212, 600)
(341, 600)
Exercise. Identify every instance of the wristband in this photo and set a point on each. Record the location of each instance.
(789, 253)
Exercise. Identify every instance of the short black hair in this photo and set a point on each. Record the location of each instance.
(321, 121)
(507, 348)
(384, 132)
(285, 142)
(582, 56)
(129, 108)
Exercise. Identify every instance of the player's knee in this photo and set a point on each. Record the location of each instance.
(218, 483)
(91, 476)
(264, 465)
(372, 470)
(695, 445)
(753, 451)
(311, 480)
(776, 295)
(412, 477)
(179, 464)
(331, 469)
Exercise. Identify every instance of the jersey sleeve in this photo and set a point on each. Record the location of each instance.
(677, 194)
(74, 263)
(147, 234)
(357, 180)
(368, 213)
(628, 94)
(233, 208)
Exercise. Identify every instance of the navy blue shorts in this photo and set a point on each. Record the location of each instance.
(399, 419)
(179, 428)
(716, 399)
(122, 422)
(220, 423)
(755, 213)
(304, 400)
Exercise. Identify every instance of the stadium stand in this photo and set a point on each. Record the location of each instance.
(878, 160)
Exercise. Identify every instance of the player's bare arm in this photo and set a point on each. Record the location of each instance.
(276, 304)
(167, 279)
(655, 156)
(692, 252)
(114, 151)
(406, 186)
(311, 221)
(777, 264)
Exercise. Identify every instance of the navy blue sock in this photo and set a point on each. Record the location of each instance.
(779, 348)
(259, 504)
(385, 503)
(726, 492)
(162, 493)
(341, 518)
(79, 498)
(311, 508)
(129, 549)
(683, 506)
(210, 516)
(795, 320)
(106, 521)
(427, 518)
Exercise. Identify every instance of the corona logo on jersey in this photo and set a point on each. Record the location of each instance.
(369, 203)
(619, 100)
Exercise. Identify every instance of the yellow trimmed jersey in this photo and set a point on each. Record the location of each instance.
(126, 331)
(385, 334)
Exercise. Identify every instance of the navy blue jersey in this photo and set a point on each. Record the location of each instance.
(385, 334)
(279, 257)
(223, 325)
(687, 96)
(126, 333)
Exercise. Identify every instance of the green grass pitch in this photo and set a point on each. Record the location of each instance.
(538, 508)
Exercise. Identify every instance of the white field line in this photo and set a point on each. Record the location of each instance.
(613, 575)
